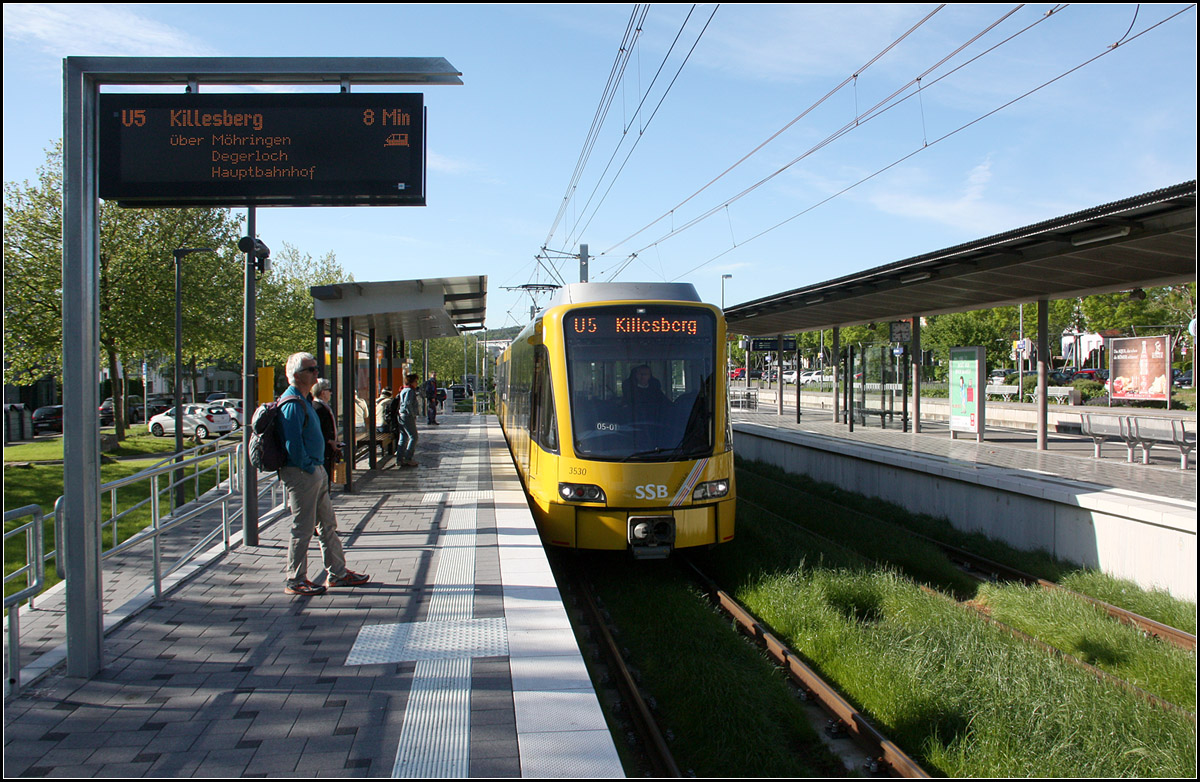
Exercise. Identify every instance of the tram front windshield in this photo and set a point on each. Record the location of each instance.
(642, 382)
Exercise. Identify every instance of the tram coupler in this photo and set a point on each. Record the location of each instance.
(651, 537)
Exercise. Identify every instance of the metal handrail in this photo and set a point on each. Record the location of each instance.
(160, 524)
(33, 547)
(33, 544)
(178, 463)
(158, 468)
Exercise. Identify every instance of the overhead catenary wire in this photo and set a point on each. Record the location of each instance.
(576, 229)
(934, 142)
(858, 121)
(848, 80)
(633, 30)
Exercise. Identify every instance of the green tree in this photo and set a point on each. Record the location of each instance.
(445, 357)
(33, 277)
(285, 321)
(136, 306)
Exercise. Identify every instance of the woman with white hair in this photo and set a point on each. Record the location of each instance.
(321, 403)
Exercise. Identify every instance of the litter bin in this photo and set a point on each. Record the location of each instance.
(18, 423)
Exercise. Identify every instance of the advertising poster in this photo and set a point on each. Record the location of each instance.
(966, 391)
(1139, 368)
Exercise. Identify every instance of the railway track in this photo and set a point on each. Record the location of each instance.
(649, 737)
(984, 569)
(882, 755)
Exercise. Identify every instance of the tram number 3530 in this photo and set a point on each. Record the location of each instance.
(651, 491)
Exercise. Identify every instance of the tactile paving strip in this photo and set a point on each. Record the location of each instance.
(435, 738)
(411, 641)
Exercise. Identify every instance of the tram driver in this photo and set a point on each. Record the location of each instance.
(644, 395)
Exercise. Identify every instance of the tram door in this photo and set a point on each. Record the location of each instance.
(543, 427)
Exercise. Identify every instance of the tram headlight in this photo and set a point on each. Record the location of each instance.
(711, 490)
(581, 492)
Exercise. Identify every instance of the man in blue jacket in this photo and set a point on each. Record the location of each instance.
(308, 486)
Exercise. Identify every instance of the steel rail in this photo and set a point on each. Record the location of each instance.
(655, 745)
(1180, 638)
(1099, 673)
(847, 717)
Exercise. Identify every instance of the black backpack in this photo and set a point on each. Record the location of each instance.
(266, 450)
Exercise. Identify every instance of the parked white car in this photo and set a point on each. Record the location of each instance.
(198, 420)
(789, 376)
(234, 408)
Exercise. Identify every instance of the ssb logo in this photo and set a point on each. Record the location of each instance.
(651, 491)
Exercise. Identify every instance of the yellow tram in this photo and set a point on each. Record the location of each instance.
(614, 404)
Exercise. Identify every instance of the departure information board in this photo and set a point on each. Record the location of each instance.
(266, 150)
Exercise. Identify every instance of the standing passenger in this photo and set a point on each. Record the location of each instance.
(431, 399)
(406, 407)
(321, 403)
(308, 487)
(383, 413)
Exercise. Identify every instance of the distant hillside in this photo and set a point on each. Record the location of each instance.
(507, 332)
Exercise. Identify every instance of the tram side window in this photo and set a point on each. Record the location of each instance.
(543, 421)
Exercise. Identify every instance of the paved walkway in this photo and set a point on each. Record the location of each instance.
(457, 659)
(1068, 456)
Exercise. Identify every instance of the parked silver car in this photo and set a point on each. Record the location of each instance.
(198, 420)
(233, 407)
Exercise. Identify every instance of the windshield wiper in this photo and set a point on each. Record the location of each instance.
(678, 451)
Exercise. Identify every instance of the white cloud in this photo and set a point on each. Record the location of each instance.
(791, 42)
(968, 209)
(448, 165)
(96, 30)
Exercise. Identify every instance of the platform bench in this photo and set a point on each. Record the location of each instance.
(1148, 432)
(1059, 394)
(1103, 426)
(1004, 392)
(1139, 432)
(861, 414)
(362, 441)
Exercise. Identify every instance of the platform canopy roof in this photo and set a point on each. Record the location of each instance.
(1143, 241)
(406, 309)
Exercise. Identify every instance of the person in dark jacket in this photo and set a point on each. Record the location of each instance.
(644, 396)
(321, 403)
(431, 399)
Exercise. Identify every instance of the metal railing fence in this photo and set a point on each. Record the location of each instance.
(219, 458)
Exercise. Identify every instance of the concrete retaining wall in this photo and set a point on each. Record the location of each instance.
(1148, 540)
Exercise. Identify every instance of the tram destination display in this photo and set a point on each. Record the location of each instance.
(324, 149)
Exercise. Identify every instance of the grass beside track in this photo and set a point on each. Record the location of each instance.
(727, 706)
(1088, 633)
(962, 696)
(1155, 604)
(1061, 620)
(872, 532)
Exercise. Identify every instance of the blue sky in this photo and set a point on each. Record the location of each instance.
(764, 132)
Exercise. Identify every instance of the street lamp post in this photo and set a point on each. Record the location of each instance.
(728, 347)
(258, 260)
(180, 254)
